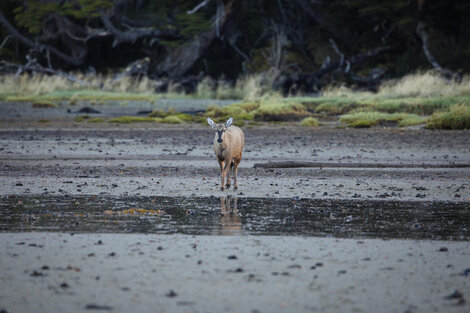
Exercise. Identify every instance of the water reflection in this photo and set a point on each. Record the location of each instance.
(230, 223)
(237, 216)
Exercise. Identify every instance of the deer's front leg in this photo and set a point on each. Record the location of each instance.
(228, 172)
(222, 174)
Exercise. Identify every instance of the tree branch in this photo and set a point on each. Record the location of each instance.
(200, 5)
(309, 79)
(335, 47)
(134, 34)
(41, 47)
(421, 31)
(181, 60)
(319, 18)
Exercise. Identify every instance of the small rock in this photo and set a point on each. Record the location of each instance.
(466, 272)
(455, 295)
(97, 307)
(171, 294)
(36, 274)
(88, 110)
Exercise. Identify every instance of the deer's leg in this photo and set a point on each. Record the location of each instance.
(235, 172)
(222, 174)
(228, 167)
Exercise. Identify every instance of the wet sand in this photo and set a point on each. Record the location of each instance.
(179, 161)
(67, 161)
(58, 272)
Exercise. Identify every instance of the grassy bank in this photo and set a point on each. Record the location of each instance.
(418, 99)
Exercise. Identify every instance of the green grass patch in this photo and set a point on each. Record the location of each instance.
(81, 118)
(361, 123)
(309, 122)
(458, 117)
(4, 95)
(420, 106)
(267, 110)
(279, 111)
(337, 106)
(96, 120)
(367, 119)
(239, 111)
(43, 104)
(172, 119)
(133, 119)
(357, 102)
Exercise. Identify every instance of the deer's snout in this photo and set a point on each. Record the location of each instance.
(219, 136)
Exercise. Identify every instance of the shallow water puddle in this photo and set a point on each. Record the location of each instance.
(237, 216)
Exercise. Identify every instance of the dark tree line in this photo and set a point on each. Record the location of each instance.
(302, 43)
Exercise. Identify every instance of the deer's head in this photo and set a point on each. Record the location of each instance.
(220, 129)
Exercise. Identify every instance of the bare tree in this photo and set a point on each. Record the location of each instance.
(423, 34)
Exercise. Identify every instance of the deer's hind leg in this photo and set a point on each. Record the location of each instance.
(236, 162)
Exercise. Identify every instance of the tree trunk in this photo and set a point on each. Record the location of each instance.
(178, 63)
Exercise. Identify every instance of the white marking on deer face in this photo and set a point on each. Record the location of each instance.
(220, 131)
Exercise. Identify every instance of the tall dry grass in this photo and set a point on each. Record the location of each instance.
(42, 84)
(249, 88)
(422, 84)
(428, 84)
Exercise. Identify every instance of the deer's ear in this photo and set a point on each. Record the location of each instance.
(210, 122)
(229, 122)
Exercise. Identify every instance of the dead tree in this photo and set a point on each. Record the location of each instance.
(38, 46)
(448, 74)
(178, 63)
(345, 63)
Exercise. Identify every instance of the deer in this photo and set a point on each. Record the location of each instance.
(229, 141)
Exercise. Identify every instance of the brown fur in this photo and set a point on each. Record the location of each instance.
(229, 152)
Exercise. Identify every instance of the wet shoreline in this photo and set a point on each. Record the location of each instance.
(237, 216)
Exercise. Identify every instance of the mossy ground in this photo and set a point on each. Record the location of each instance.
(309, 122)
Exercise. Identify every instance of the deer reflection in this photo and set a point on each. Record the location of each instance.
(229, 220)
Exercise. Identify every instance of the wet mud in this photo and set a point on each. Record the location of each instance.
(237, 216)
(128, 218)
